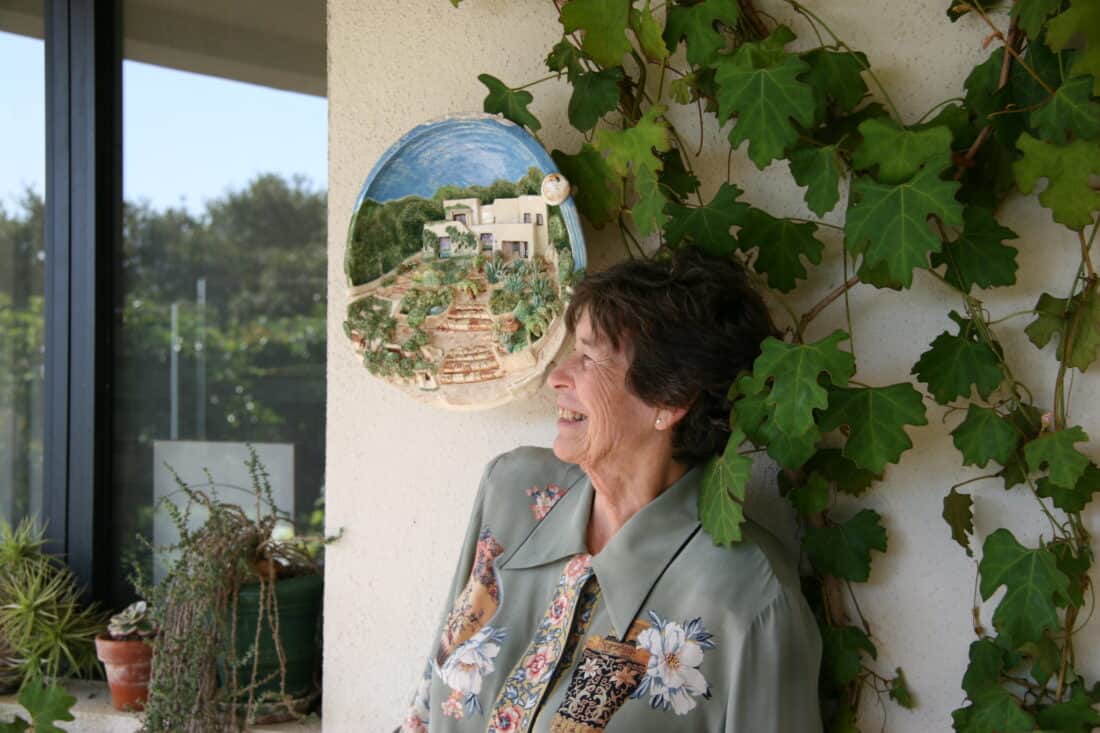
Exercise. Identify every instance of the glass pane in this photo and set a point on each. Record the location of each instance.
(221, 295)
(22, 276)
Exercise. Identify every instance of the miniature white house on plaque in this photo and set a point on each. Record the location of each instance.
(515, 227)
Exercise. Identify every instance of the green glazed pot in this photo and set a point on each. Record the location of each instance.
(299, 601)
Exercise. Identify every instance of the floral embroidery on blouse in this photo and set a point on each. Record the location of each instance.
(672, 678)
(545, 499)
(467, 666)
(416, 719)
(525, 686)
(477, 602)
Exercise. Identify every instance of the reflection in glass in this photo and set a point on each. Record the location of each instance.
(22, 277)
(220, 303)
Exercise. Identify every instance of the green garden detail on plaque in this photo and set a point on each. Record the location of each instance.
(462, 251)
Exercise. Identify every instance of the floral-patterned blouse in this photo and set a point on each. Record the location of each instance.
(661, 631)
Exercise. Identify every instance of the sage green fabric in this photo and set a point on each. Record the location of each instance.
(738, 608)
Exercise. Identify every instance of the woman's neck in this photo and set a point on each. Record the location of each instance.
(621, 491)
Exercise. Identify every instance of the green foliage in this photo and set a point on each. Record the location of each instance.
(1032, 581)
(604, 25)
(512, 103)
(707, 227)
(45, 627)
(876, 417)
(594, 95)
(1067, 167)
(593, 183)
(844, 550)
(887, 224)
(46, 704)
(722, 496)
(923, 194)
(699, 25)
(955, 363)
(760, 85)
(978, 256)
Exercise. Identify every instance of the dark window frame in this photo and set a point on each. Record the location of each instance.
(83, 47)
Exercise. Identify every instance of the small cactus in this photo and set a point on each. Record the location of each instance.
(133, 622)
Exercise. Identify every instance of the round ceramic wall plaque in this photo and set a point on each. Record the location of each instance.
(462, 252)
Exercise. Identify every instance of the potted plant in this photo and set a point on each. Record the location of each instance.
(45, 629)
(127, 655)
(238, 615)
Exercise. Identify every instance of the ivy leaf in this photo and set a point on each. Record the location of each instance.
(648, 32)
(876, 417)
(1045, 658)
(1069, 110)
(1027, 421)
(984, 436)
(697, 24)
(781, 245)
(564, 56)
(604, 24)
(1032, 581)
(505, 101)
(1071, 499)
(899, 153)
(844, 550)
(1055, 450)
(954, 363)
(1083, 16)
(982, 97)
(1056, 315)
(594, 95)
(648, 210)
(978, 256)
(958, 512)
(888, 223)
(633, 147)
(842, 652)
(1068, 167)
(722, 496)
(987, 661)
(835, 76)
(994, 710)
(899, 690)
(763, 89)
(676, 180)
(708, 227)
(751, 413)
(592, 182)
(819, 170)
(812, 497)
(1031, 15)
(1076, 715)
(47, 704)
(794, 370)
(848, 478)
(1076, 567)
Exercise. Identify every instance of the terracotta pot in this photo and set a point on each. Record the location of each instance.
(127, 664)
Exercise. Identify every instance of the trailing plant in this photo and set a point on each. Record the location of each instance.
(921, 206)
(194, 683)
(45, 628)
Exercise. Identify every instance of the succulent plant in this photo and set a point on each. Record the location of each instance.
(133, 622)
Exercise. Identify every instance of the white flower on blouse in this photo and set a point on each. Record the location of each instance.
(672, 676)
(472, 661)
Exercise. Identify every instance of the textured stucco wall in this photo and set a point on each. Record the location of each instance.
(401, 476)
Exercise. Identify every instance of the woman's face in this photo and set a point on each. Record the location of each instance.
(599, 418)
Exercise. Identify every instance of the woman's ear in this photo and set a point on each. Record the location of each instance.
(668, 417)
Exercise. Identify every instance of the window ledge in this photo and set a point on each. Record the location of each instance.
(95, 714)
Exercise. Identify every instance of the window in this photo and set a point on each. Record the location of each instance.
(222, 292)
(538, 219)
(527, 217)
(22, 271)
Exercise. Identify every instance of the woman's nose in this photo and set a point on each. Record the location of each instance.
(559, 375)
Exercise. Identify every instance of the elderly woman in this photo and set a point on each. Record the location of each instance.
(587, 597)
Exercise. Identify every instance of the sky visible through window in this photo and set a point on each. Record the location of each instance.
(188, 138)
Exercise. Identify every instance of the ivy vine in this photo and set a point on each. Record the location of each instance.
(922, 202)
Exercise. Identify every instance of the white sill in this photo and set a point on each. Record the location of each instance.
(95, 714)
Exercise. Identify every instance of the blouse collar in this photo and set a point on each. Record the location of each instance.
(636, 556)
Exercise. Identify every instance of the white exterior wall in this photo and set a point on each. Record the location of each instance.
(401, 475)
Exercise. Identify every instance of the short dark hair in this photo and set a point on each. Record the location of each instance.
(692, 323)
